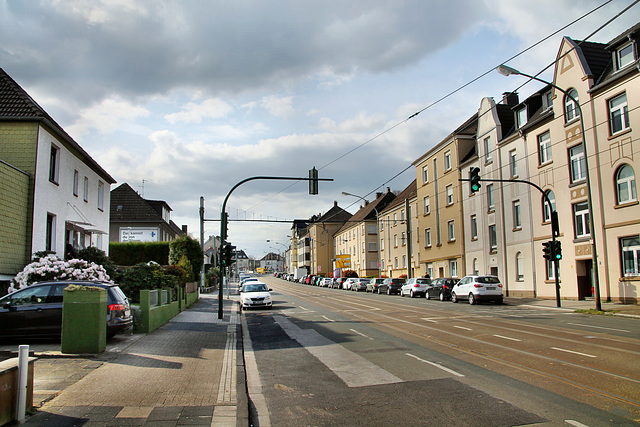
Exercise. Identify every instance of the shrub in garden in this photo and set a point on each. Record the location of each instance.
(52, 268)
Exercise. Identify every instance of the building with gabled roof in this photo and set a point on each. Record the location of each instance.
(136, 219)
(55, 191)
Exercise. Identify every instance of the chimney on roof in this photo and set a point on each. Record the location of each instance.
(378, 195)
(184, 228)
(510, 98)
(388, 189)
(335, 203)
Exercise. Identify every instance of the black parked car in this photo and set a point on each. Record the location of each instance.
(36, 311)
(441, 288)
(391, 286)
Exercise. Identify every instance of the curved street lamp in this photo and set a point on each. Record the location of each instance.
(508, 71)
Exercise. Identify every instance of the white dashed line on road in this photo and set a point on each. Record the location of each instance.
(437, 365)
(574, 352)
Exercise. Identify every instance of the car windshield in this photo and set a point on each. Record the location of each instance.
(423, 281)
(488, 280)
(364, 280)
(255, 288)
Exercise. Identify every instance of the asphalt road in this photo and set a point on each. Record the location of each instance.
(333, 357)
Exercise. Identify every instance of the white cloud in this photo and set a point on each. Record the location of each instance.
(108, 116)
(278, 106)
(194, 113)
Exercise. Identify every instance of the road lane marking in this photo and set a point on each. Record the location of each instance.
(575, 423)
(599, 327)
(574, 352)
(353, 369)
(437, 365)
(327, 319)
(462, 327)
(360, 333)
(355, 303)
(426, 319)
(507, 338)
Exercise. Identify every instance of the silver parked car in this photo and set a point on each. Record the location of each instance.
(359, 285)
(478, 288)
(415, 287)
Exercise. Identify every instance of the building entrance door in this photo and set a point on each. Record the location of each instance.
(585, 275)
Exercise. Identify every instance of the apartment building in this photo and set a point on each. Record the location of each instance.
(359, 236)
(439, 191)
(320, 234)
(396, 242)
(58, 194)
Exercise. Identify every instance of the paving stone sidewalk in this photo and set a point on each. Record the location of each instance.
(188, 372)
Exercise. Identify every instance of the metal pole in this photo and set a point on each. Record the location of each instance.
(202, 239)
(23, 371)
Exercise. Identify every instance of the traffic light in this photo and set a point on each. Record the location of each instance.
(474, 179)
(313, 181)
(546, 250)
(229, 254)
(556, 250)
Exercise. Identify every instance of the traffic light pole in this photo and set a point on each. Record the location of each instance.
(555, 228)
(313, 178)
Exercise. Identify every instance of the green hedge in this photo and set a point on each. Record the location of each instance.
(132, 253)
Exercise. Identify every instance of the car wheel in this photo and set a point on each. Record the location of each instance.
(427, 295)
(378, 291)
(472, 299)
(441, 296)
(454, 297)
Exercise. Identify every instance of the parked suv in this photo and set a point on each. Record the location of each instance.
(441, 288)
(374, 284)
(415, 287)
(36, 311)
(391, 286)
(478, 288)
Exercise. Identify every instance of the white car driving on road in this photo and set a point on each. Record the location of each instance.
(255, 295)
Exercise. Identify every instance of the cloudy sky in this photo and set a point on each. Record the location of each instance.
(185, 98)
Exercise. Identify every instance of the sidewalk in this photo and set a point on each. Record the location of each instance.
(190, 371)
(610, 308)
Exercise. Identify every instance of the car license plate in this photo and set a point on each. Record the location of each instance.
(491, 288)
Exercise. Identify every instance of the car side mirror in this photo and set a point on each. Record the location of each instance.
(270, 289)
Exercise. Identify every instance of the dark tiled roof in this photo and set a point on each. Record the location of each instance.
(17, 105)
(335, 214)
(597, 58)
(507, 119)
(128, 206)
(408, 193)
(367, 212)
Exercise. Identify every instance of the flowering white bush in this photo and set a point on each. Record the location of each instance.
(52, 268)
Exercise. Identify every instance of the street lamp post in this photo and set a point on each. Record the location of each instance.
(344, 193)
(507, 71)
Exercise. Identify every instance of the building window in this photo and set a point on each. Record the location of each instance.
(517, 218)
(624, 56)
(493, 238)
(427, 237)
(395, 240)
(476, 271)
(427, 205)
(404, 261)
(425, 174)
(550, 270)
(544, 148)
(447, 161)
(581, 220)
(451, 230)
(618, 114)
(382, 244)
(521, 117)
(474, 227)
(449, 193)
(381, 224)
(76, 184)
(490, 199)
(487, 149)
(54, 164)
(547, 100)
(513, 164)
(519, 267)
(100, 195)
(546, 211)
(50, 243)
(403, 238)
(430, 269)
(630, 247)
(395, 219)
(453, 268)
(577, 163)
(625, 185)
(571, 111)
(85, 193)
(402, 215)
(395, 262)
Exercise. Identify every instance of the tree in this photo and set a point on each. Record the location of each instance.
(189, 247)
